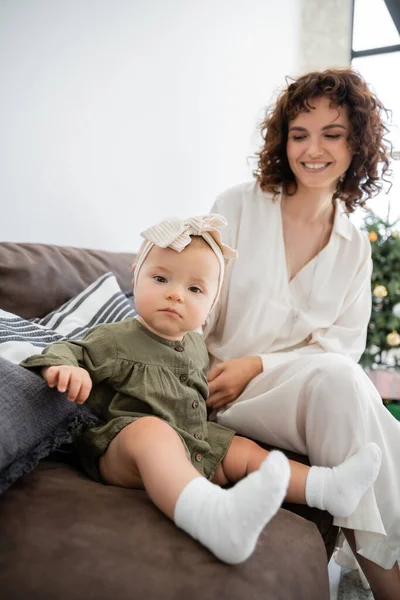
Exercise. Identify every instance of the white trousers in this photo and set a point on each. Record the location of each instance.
(326, 407)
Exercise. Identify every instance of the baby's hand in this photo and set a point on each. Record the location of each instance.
(74, 379)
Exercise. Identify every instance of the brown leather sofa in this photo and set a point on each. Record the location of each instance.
(65, 537)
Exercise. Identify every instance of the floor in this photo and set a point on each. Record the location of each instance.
(334, 578)
(347, 584)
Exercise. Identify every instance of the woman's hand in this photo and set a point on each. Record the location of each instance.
(75, 380)
(228, 379)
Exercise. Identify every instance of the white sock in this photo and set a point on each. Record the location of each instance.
(340, 489)
(229, 522)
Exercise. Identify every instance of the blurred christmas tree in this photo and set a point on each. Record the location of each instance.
(383, 339)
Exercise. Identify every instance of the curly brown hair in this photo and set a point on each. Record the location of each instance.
(343, 87)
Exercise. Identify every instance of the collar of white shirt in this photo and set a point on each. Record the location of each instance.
(342, 224)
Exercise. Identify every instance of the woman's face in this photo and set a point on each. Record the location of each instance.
(317, 148)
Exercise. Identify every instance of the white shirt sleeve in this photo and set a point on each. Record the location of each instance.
(348, 334)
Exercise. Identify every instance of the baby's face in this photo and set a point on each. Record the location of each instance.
(175, 290)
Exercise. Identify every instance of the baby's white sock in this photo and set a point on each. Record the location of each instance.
(229, 522)
(340, 489)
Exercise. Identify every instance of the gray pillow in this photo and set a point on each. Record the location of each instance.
(34, 421)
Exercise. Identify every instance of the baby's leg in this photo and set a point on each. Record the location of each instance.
(245, 456)
(150, 453)
(337, 490)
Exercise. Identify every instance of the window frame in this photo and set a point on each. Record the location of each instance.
(393, 7)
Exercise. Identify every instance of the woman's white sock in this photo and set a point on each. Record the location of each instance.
(229, 522)
(340, 489)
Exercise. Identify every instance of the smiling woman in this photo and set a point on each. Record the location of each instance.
(290, 325)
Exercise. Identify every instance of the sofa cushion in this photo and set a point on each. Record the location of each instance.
(36, 278)
(64, 536)
(34, 420)
(100, 302)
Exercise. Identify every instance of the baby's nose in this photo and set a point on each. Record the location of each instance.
(175, 293)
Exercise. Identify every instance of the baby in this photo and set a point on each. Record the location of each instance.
(146, 380)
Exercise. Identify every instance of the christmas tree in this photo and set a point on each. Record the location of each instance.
(383, 339)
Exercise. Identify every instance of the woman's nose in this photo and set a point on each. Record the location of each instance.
(315, 148)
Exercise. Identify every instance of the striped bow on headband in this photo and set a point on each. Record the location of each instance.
(176, 234)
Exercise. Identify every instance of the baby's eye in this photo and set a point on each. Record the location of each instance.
(195, 289)
(160, 279)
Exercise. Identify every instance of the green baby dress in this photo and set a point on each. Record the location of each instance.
(136, 373)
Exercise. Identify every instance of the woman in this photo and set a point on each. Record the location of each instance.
(290, 326)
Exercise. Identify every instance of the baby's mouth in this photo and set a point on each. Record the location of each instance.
(171, 312)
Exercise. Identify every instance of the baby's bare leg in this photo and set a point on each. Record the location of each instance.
(149, 453)
(337, 490)
(245, 456)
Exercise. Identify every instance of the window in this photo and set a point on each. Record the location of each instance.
(376, 56)
(373, 26)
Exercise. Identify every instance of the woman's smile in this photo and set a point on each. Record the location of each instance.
(313, 167)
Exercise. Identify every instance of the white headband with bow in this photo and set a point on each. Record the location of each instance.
(176, 234)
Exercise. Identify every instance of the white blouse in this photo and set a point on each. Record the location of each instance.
(324, 308)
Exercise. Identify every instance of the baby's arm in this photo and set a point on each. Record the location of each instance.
(74, 366)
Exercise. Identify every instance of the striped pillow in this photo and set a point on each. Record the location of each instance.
(101, 302)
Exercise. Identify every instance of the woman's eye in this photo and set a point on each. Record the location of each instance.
(195, 289)
(333, 136)
(298, 138)
(160, 279)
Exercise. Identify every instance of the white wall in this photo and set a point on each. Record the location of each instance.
(116, 113)
(325, 39)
